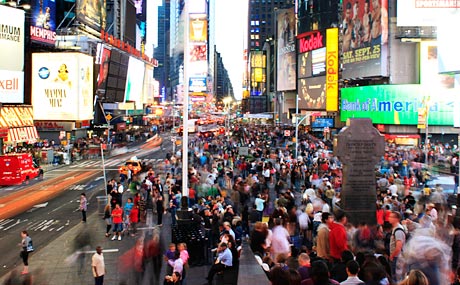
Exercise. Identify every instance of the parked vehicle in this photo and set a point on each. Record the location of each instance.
(17, 169)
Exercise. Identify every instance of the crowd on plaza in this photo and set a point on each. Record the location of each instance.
(287, 207)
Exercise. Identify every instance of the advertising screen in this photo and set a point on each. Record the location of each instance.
(429, 75)
(318, 62)
(323, 123)
(92, 12)
(198, 28)
(12, 86)
(448, 59)
(332, 70)
(43, 23)
(116, 78)
(197, 84)
(398, 104)
(286, 54)
(134, 82)
(11, 39)
(141, 15)
(149, 82)
(304, 65)
(312, 93)
(62, 86)
(365, 38)
(425, 13)
(103, 70)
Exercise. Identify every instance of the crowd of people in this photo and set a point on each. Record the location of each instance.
(287, 207)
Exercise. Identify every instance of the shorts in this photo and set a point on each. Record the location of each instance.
(117, 227)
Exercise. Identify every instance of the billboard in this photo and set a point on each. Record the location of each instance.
(43, 23)
(92, 12)
(198, 28)
(103, 70)
(197, 84)
(365, 38)
(398, 104)
(116, 78)
(149, 85)
(286, 65)
(425, 12)
(11, 86)
(312, 93)
(11, 38)
(135, 82)
(141, 17)
(332, 70)
(62, 86)
(429, 75)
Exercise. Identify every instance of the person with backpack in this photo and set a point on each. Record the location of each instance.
(397, 241)
(27, 247)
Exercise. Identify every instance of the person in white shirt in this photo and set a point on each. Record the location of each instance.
(98, 265)
(352, 272)
(224, 260)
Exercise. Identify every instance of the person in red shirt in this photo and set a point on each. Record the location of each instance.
(134, 219)
(117, 219)
(338, 241)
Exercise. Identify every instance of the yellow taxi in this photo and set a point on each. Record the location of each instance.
(134, 164)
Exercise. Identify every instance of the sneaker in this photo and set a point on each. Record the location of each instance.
(114, 237)
(119, 237)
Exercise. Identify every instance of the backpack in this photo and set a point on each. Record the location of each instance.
(30, 246)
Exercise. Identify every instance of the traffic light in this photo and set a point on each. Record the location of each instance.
(129, 120)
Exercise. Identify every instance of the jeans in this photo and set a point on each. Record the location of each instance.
(99, 280)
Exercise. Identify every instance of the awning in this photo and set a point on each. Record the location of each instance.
(402, 136)
(24, 134)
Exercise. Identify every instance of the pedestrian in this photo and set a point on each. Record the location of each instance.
(108, 219)
(397, 242)
(97, 262)
(83, 207)
(134, 219)
(117, 219)
(27, 248)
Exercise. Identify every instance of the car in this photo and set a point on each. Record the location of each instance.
(133, 164)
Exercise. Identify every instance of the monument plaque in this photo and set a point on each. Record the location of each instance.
(359, 147)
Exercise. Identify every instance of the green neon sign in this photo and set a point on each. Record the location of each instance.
(398, 104)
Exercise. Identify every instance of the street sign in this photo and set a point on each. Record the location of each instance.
(108, 117)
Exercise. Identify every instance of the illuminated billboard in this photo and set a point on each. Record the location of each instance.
(429, 75)
(286, 65)
(135, 82)
(149, 85)
(11, 86)
(103, 70)
(62, 86)
(11, 38)
(332, 70)
(43, 25)
(365, 38)
(312, 93)
(425, 13)
(198, 28)
(398, 104)
(92, 12)
(141, 17)
(197, 84)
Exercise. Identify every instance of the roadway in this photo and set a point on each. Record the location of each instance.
(48, 208)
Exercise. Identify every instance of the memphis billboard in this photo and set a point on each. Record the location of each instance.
(365, 38)
(43, 26)
(398, 104)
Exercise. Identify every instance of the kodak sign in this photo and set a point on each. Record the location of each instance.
(332, 69)
(310, 41)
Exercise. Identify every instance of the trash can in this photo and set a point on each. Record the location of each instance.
(101, 203)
